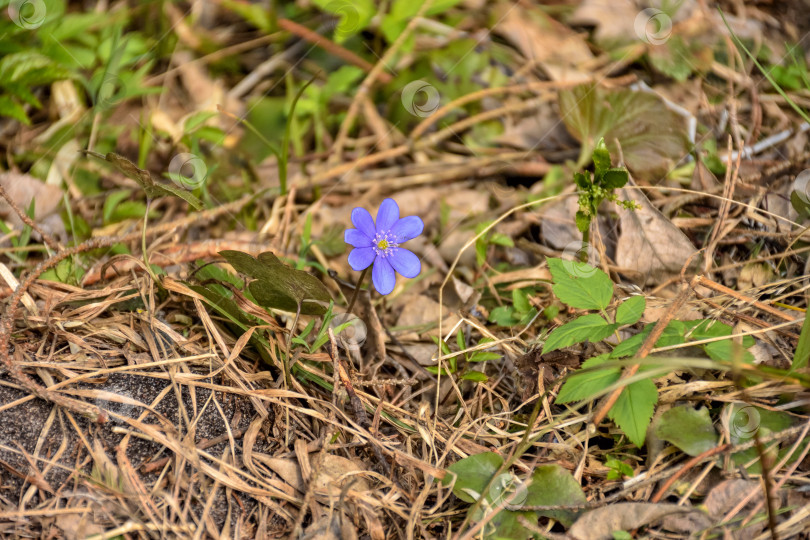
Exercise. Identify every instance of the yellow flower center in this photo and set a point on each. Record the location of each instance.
(382, 244)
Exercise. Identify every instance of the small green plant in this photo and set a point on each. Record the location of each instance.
(597, 188)
(21, 240)
(492, 238)
(581, 286)
(464, 369)
(618, 469)
(476, 480)
(519, 313)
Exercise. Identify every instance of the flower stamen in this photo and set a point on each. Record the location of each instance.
(384, 244)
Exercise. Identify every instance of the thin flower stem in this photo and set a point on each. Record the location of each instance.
(356, 290)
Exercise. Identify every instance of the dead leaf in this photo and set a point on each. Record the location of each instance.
(538, 273)
(653, 137)
(24, 188)
(537, 132)
(616, 20)
(601, 523)
(649, 244)
(726, 495)
(331, 477)
(556, 48)
(730, 493)
(754, 275)
(78, 525)
(335, 527)
(550, 366)
(613, 19)
(453, 243)
(421, 311)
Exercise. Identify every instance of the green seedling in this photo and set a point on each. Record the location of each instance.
(597, 188)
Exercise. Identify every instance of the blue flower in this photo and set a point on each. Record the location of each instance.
(379, 244)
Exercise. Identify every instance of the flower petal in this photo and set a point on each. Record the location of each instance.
(361, 258)
(387, 215)
(383, 276)
(407, 228)
(362, 220)
(405, 262)
(357, 238)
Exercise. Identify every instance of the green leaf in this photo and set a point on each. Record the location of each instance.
(580, 285)
(718, 350)
(520, 300)
(553, 485)
(585, 385)
(354, 15)
(583, 221)
(615, 178)
(12, 109)
(483, 356)
(145, 180)
(460, 340)
(652, 137)
(582, 180)
(634, 409)
(255, 14)
(167, 189)
(802, 354)
(480, 251)
(689, 429)
(442, 344)
(588, 327)
(197, 120)
(630, 311)
(503, 316)
(278, 286)
(619, 469)
(672, 335)
(800, 203)
(476, 376)
(472, 474)
(501, 240)
(601, 158)
(111, 202)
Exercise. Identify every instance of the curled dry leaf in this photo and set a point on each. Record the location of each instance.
(649, 244)
(24, 188)
(601, 523)
(333, 474)
(421, 313)
(559, 50)
(335, 527)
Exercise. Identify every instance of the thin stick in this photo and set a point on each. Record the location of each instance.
(646, 347)
(713, 285)
(372, 77)
(356, 291)
(331, 47)
(49, 241)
